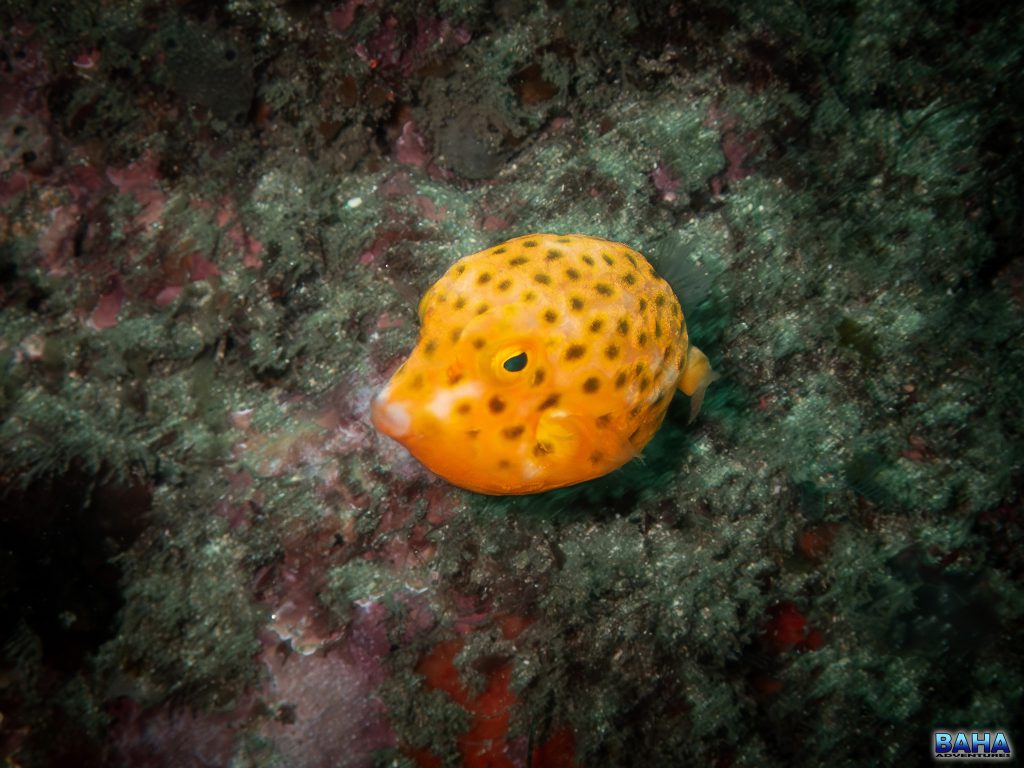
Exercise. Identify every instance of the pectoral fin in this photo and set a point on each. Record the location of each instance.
(695, 378)
(557, 435)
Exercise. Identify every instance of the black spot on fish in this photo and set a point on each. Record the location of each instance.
(549, 402)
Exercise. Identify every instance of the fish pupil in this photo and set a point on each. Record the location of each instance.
(515, 363)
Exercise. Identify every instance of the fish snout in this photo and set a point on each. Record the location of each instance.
(389, 417)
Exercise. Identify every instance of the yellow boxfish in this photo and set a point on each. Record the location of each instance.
(542, 362)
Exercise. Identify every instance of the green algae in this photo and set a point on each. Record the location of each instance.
(188, 632)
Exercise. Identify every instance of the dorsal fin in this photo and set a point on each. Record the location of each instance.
(672, 257)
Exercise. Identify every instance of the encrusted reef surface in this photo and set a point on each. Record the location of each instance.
(216, 220)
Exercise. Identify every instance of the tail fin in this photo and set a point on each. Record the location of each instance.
(695, 378)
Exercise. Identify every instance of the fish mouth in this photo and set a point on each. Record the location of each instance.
(390, 418)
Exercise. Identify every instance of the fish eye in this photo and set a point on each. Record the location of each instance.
(516, 363)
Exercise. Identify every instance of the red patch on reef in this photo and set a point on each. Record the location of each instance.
(485, 744)
(787, 630)
(815, 541)
(559, 751)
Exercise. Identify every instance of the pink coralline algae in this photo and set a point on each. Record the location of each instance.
(342, 17)
(410, 148)
(108, 307)
(737, 146)
(303, 714)
(24, 114)
(665, 182)
(178, 737)
(141, 180)
(244, 243)
(87, 61)
(392, 48)
(314, 695)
